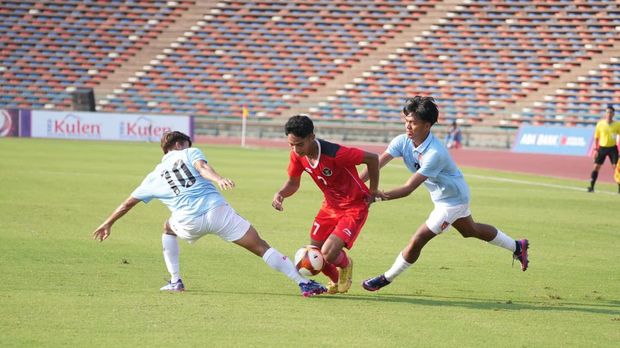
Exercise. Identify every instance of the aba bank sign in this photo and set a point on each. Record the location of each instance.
(554, 140)
(106, 126)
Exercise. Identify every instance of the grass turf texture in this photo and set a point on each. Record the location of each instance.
(61, 288)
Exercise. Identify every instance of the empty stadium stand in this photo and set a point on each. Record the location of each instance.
(578, 103)
(489, 63)
(266, 55)
(48, 48)
(482, 58)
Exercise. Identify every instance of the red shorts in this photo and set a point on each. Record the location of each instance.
(345, 224)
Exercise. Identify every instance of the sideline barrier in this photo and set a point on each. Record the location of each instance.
(91, 125)
(14, 123)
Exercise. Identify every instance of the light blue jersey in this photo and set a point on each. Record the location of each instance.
(180, 186)
(445, 181)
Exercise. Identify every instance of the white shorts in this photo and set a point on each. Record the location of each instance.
(443, 216)
(222, 221)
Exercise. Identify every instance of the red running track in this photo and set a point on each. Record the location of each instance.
(570, 167)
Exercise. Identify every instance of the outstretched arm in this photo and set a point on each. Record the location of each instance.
(207, 172)
(403, 191)
(103, 232)
(384, 158)
(288, 189)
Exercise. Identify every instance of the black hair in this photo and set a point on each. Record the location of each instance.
(299, 125)
(610, 107)
(422, 107)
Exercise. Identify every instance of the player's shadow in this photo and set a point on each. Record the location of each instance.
(608, 307)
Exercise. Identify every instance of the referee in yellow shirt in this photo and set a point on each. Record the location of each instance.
(605, 135)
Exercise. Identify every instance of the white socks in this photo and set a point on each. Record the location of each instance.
(399, 266)
(272, 257)
(502, 240)
(283, 264)
(171, 255)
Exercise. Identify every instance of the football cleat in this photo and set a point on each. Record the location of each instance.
(176, 286)
(311, 288)
(590, 189)
(332, 288)
(376, 283)
(521, 255)
(345, 275)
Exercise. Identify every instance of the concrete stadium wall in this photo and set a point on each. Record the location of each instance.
(347, 131)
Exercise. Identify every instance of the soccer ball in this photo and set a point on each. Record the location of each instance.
(309, 260)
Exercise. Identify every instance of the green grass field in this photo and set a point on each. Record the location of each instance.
(61, 288)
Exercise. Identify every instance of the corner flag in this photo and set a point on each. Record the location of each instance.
(245, 112)
(244, 116)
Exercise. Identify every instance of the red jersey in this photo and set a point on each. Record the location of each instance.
(334, 173)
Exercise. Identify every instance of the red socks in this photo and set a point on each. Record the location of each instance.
(342, 260)
(330, 270)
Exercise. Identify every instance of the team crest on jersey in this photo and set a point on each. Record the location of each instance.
(418, 162)
(327, 171)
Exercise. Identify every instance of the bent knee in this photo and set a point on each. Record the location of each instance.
(330, 254)
(468, 234)
(168, 229)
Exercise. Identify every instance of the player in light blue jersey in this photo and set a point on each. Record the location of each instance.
(183, 181)
(427, 158)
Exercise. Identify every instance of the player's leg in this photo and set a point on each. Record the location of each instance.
(171, 258)
(253, 242)
(334, 254)
(617, 175)
(329, 269)
(277, 261)
(599, 159)
(332, 251)
(412, 251)
(614, 165)
(404, 260)
(323, 225)
(467, 227)
(228, 225)
(272, 257)
(437, 222)
(593, 177)
(345, 233)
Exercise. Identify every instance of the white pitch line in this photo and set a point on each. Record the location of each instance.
(535, 183)
(523, 182)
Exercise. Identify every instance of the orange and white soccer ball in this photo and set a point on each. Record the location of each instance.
(309, 260)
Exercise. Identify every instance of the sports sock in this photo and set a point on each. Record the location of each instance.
(502, 240)
(399, 266)
(171, 255)
(281, 263)
(330, 271)
(342, 260)
(593, 178)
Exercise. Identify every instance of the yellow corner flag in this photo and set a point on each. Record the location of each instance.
(245, 112)
(244, 119)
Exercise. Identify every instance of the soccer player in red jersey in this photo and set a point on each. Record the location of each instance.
(345, 207)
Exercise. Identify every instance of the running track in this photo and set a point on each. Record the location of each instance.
(570, 167)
